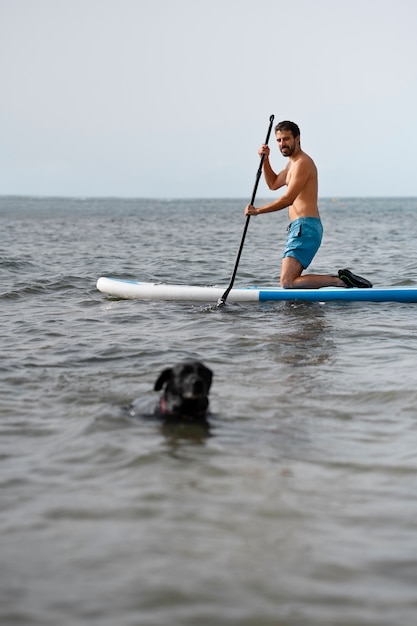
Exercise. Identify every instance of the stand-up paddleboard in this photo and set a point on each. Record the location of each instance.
(135, 290)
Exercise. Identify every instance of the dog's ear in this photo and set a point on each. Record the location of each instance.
(163, 378)
(209, 376)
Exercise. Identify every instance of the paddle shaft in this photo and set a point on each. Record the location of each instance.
(223, 299)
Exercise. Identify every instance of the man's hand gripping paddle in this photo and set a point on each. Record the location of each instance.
(222, 301)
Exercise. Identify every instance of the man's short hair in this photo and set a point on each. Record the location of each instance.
(286, 125)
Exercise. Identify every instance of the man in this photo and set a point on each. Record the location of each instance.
(305, 230)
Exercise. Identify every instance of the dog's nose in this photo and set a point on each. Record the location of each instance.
(195, 388)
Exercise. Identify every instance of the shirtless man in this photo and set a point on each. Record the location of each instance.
(305, 230)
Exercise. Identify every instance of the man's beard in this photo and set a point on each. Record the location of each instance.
(287, 150)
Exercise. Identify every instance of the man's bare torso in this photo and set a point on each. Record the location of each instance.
(302, 171)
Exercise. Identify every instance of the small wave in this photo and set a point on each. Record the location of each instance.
(44, 286)
(15, 264)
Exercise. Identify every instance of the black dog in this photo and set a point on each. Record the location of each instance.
(185, 391)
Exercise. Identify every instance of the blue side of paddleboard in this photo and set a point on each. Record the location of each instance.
(385, 294)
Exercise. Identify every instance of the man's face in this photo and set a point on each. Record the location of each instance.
(286, 142)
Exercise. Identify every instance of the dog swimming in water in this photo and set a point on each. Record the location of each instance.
(185, 389)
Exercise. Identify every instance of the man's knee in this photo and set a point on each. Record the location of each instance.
(291, 269)
(286, 282)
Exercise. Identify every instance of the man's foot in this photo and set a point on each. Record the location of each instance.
(352, 280)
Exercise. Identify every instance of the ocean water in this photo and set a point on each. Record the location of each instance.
(297, 508)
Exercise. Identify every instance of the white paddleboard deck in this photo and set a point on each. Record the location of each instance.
(135, 290)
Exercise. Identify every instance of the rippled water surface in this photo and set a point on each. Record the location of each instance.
(297, 508)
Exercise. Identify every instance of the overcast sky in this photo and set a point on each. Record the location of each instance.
(171, 98)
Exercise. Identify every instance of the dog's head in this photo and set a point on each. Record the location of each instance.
(185, 390)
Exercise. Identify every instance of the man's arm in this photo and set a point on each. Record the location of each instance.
(300, 173)
(273, 180)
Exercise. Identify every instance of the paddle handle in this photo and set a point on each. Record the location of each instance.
(261, 162)
(223, 299)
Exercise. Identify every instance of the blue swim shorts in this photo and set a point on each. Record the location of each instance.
(304, 239)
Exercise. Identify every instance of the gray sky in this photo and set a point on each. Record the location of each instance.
(171, 98)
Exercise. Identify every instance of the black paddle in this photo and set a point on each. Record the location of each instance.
(222, 301)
